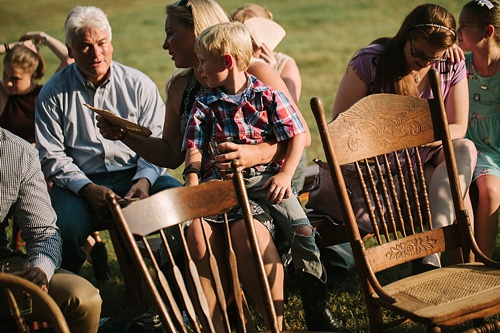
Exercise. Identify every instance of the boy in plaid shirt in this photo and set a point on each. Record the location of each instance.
(238, 106)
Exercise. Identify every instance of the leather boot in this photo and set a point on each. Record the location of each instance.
(314, 296)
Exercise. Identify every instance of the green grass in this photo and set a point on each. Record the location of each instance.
(321, 35)
(346, 298)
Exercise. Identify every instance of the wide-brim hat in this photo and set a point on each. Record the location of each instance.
(265, 31)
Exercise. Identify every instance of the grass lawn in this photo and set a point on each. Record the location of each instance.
(321, 35)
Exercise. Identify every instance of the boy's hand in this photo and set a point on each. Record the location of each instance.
(280, 186)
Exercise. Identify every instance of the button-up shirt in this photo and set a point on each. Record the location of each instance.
(258, 115)
(23, 191)
(67, 135)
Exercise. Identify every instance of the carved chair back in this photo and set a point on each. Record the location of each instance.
(378, 140)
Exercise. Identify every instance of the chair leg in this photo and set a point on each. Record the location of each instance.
(97, 236)
(131, 277)
(375, 314)
(482, 326)
(99, 256)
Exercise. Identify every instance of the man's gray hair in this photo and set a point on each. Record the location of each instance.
(85, 17)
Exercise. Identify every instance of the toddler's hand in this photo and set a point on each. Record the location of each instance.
(279, 187)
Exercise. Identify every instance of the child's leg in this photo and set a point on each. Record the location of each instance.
(486, 213)
(290, 218)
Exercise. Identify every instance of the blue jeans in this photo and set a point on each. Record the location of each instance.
(77, 220)
(288, 215)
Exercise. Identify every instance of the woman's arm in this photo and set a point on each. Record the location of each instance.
(57, 47)
(164, 151)
(457, 109)
(267, 75)
(291, 75)
(351, 89)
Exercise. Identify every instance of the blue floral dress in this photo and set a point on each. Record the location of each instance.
(484, 119)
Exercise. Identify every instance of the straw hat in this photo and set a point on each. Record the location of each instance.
(265, 31)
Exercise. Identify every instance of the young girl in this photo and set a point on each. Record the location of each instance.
(479, 33)
(400, 65)
(23, 66)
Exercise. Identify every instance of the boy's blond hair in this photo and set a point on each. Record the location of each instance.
(227, 38)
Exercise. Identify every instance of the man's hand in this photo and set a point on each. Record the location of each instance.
(279, 187)
(96, 196)
(38, 277)
(109, 130)
(139, 190)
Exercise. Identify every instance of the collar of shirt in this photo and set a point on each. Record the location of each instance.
(254, 86)
(80, 78)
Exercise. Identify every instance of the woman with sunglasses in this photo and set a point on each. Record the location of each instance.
(185, 20)
(399, 65)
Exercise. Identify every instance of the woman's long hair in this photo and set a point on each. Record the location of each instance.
(200, 14)
(428, 22)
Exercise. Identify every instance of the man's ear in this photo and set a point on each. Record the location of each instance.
(69, 51)
(228, 61)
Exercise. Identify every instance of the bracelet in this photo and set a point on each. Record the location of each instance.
(7, 47)
(190, 169)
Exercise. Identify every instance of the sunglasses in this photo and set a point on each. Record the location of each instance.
(182, 3)
(423, 58)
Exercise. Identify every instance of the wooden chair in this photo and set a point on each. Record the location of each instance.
(169, 209)
(10, 282)
(132, 280)
(377, 135)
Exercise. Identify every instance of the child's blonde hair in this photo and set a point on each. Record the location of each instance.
(227, 38)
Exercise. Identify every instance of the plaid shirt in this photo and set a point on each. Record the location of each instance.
(260, 115)
(23, 192)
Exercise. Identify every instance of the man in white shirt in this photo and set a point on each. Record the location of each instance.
(82, 164)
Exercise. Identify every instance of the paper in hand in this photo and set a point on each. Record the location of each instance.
(120, 122)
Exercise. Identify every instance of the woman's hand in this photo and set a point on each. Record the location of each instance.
(454, 54)
(36, 36)
(247, 155)
(268, 55)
